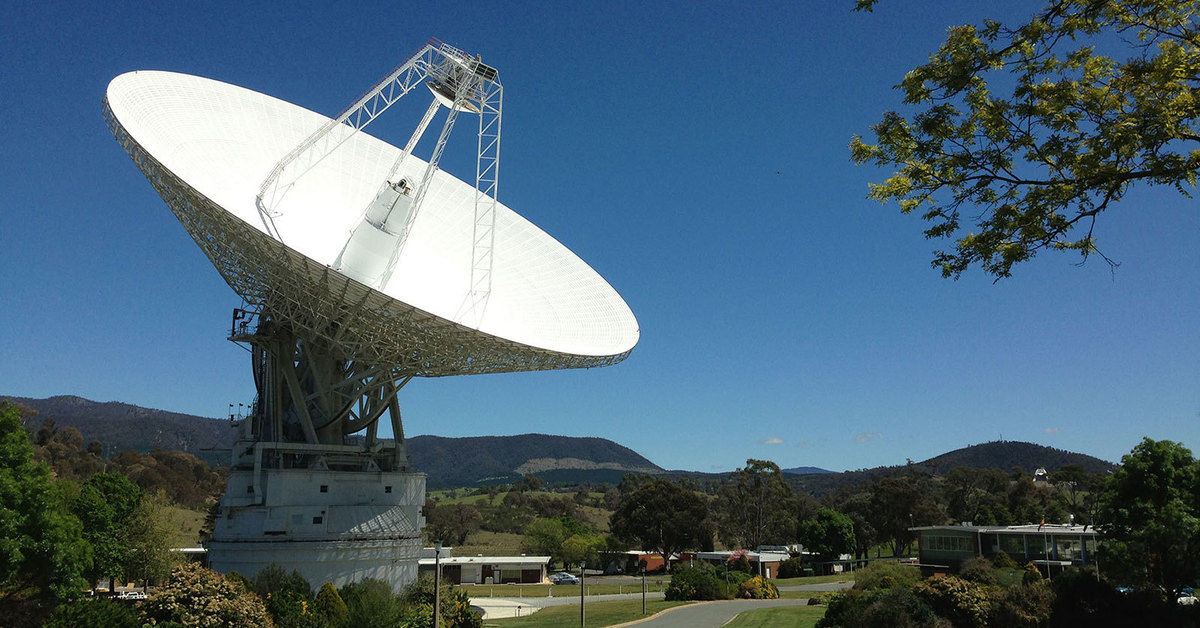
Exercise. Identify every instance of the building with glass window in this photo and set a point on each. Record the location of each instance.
(1051, 547)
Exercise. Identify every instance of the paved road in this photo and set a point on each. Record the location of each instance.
(711, 614)
(827, 586)
(511, 607)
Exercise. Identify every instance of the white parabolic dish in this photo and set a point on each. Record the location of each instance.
(207, 146)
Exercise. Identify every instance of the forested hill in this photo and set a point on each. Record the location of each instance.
(1003, 455)
(125, 427)
(504, 459)
(1006, 454)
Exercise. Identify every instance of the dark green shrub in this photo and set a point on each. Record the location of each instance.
(371, 604)
(979, 571)
(965, 604)
(1024, 605)
(245, 583)
(329, 604)
(288, 597)
(97, 612)
(822, 598)
(418, 598)
(698, 583)
(1003, 561)
(791, 568)
(897, 607)
(886, 575)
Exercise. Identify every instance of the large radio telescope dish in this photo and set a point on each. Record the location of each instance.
(361, 266)
(207, 146)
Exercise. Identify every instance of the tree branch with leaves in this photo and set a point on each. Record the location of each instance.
(1031, 132)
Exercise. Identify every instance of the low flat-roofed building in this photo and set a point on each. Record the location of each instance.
(943, 549)
(766, 563)
(486, 569)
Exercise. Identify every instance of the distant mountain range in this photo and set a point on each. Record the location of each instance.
(125, 427)
(806, 470)
(471, 461)
(448, 462)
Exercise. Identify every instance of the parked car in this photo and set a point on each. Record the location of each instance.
(563, 577)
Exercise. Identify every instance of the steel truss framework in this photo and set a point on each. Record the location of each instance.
(462, 83)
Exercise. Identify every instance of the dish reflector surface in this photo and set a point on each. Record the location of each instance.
(218, 142)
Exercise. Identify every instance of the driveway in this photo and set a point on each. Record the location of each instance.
(827, 586)
(709, 614)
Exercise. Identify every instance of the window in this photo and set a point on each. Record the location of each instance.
(317, 520)
(946, 543)
(324, 488)
(387, 489)
(250, 488)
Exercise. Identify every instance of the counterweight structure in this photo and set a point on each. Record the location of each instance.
(360, 267)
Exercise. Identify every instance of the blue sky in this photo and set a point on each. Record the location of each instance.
(694, 153)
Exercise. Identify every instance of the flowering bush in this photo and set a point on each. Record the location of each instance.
(197, 597)
(758, 588)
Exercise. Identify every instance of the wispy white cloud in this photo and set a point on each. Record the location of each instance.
(867, 436)
(1051, 430)
(802, 444)
(774, 440)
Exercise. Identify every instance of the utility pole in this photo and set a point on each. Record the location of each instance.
(437, 584)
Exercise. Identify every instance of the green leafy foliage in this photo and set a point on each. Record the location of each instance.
(42, 551)
(701, 582)
(964, 603)
(288, 597)
(97, 612)
(757, 507)
(450, 523)
(105, 506)
(371, 604)
(1035, 129)
(829, 533)
(885, 575)
(791, 568)
(894, 607)
(1150, 508)
(663, 516)
(329, 604)
(544, 537)
(418, 600)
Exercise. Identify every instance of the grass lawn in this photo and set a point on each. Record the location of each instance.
(598, 614)
(184, 525)
(491, 544)
(564, 590)
(842, 577)
(785, 617)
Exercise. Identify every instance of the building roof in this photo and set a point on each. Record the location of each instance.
(489, 560)
(1031, 528)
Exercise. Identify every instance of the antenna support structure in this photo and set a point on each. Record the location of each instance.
(306, 490)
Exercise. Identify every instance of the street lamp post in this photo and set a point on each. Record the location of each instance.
(642, 565)
(581, 574)
(437, 584)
